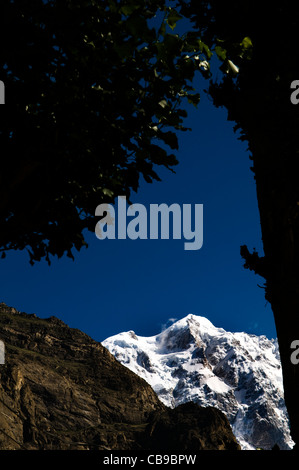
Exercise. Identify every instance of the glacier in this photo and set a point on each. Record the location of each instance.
(236, 372)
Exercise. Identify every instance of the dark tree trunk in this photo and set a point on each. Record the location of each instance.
(258, 102)
(277, 182)
(285, 306)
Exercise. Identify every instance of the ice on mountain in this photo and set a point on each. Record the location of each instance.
(238, 373)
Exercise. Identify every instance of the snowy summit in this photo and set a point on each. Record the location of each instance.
(238, 373)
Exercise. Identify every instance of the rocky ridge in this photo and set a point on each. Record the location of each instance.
(60, 389)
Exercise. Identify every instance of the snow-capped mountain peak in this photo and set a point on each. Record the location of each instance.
(239, 373)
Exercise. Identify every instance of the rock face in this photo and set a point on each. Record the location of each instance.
(238, 373)
(60, 389)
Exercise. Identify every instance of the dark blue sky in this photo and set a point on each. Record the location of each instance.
(118, 285)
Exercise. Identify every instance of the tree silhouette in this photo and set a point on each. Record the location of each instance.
(94, 95)
(258, 101)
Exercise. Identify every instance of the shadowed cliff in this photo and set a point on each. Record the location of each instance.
(60, 389)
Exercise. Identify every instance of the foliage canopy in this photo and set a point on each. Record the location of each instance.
(94, 94)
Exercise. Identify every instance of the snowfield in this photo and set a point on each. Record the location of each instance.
(238, 373)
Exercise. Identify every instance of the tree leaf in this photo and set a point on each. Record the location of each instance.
(194, 99)
(128, 9)
(246, 43)
(173, 18)
(221, 53)
(170, 138)
(162, 29)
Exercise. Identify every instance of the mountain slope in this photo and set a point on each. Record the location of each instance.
(60, 389)
(238, 373)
